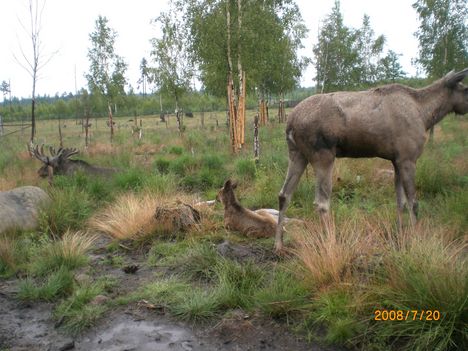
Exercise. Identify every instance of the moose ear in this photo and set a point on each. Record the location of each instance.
(227, 184)
(234, 185)
(453, 78)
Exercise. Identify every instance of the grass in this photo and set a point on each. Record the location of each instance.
(335, 255)
(78, 312)
(8, 255)
(69, 252)
(129, 217)
(57, 284)
(283, 295)
(237, 283)
(426, 272)
(328, 289)
(196, 305)
(69, 209)
(335, 313)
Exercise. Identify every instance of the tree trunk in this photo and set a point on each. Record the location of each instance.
(33, 121)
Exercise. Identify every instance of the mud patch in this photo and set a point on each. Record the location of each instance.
(123, 332)
(242, 253)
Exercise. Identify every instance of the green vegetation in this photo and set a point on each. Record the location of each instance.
(327, 290)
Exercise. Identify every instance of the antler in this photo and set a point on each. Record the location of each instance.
(66, 153)
(39, 154)
(61, 153)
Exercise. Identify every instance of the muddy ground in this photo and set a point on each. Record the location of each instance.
(31, 326)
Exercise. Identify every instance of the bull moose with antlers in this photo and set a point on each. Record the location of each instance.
(59, 163)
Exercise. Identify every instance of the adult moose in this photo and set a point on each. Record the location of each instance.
(389, 122)
(59, 163)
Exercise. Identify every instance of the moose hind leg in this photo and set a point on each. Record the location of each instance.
(323, 167)
(407, 172)
(296, 166)
(400, 196)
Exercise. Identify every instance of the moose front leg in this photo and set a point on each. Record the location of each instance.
(296, 166)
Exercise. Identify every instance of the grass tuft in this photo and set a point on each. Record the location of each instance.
(68, 251)
(129, 217)
(57, 284)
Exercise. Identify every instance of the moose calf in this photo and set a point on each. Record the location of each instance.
(256, 224)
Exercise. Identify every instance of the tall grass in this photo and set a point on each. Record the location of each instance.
(129, 217)
(69, 209)
(335, 255)
(426, 271)
(69, 251)
(363, 266)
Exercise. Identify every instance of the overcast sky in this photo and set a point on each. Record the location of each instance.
(66, 26)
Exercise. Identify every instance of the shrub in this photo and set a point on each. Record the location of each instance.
(330, 255)
(435, 175)
(176, 150)
(8, 255)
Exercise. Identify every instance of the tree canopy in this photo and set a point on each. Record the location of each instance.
(348, 58)
(267, 42)
(442, 35)
(106, 75)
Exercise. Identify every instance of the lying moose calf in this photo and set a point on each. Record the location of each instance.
(257, 224)
(60, 163)
(19, 207)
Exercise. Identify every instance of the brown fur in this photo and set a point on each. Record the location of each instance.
(389, 122)
(236, 217)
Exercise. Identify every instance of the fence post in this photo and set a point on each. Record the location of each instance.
(256, 142)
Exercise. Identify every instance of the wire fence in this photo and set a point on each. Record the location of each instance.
(8, 126)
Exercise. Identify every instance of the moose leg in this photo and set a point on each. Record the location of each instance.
(296, 166)
(407, 174)
(323, 168)
(400, 196)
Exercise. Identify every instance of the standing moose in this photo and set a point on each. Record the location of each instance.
(389, 122)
